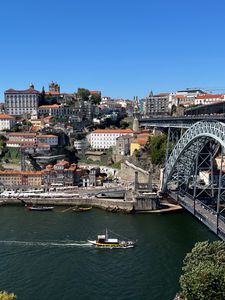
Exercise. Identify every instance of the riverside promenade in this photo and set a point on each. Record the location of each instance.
(115, 199)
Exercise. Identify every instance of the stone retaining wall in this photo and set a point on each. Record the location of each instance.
(128, 170)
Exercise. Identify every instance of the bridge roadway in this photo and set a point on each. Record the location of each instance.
(215, 222)
(178, 122)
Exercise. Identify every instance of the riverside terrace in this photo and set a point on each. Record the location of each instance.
(177, 122)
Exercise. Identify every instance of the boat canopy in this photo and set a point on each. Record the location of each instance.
(101, 237)
(112, 240)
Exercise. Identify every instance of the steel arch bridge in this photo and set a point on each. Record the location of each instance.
(194, 176)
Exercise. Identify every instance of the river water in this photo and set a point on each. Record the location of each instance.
(45, 256)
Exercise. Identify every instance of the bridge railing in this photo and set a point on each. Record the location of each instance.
(204, 213)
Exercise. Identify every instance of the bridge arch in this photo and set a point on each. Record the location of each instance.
(189, 146)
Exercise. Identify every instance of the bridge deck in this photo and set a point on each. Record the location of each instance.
(178, 122)
(205, 214)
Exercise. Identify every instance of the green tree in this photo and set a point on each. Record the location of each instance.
(157, 146)
(2, 141)
(83, 94)
(204, 272)
(49, 100)
(3, 138)
(95, 99)
(27, 123)
(42, 97)
(7, 296)
(173, 109)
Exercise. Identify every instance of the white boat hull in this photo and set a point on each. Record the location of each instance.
(123, 245)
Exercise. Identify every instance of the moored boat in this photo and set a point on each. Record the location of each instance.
(80, 209)
(103, 241)
(40, 208)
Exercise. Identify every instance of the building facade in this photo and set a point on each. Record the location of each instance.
(19, 102)
(122, 147)
(21, 178)
(61, 174)
(101, 139)
(6, 122)
(156, 104)
(49, 139)
(29, 147)
(55, 110)
(209, 99)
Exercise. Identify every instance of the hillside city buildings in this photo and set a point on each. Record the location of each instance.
(44, 132)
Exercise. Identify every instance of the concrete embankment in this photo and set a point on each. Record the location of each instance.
(107, 204)
(139, 205)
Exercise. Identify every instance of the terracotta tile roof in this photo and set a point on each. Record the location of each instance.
(143, 134)
(22, 134)
(6, 117)
(17, 172)
(113, 131)
(95, 92)
(50, 106)
(62, 163)
(163, 94)
(28, 91)
(181, 96)
(212, 96)
(52, 93)
(44, 136)
(140, 141)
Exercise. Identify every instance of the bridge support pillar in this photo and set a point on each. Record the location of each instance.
(168, 144)
(195, 181)
(219, 191)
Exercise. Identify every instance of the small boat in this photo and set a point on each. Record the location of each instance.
(40, 208)
(80, 209)
(103, 241)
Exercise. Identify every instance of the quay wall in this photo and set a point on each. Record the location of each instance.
(147, 204)
(108, 204)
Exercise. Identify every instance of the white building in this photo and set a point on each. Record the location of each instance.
(19, 102)
(22, 137)
(209, 99)
(101, 139)
(49, 139)
(54, 110)
(6, 122)
(29, 147)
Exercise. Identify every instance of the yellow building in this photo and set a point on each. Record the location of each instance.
(37, 124)
(19, 178)
(137, 143)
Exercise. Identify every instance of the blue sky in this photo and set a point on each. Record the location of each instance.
(121, 47)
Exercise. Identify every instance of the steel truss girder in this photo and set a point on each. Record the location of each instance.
(201, 131)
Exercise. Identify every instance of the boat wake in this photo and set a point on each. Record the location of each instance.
(46, 243)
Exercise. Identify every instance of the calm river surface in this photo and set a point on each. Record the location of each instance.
(44, 255)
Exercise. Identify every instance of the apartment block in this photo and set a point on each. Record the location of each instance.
(101, 139)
